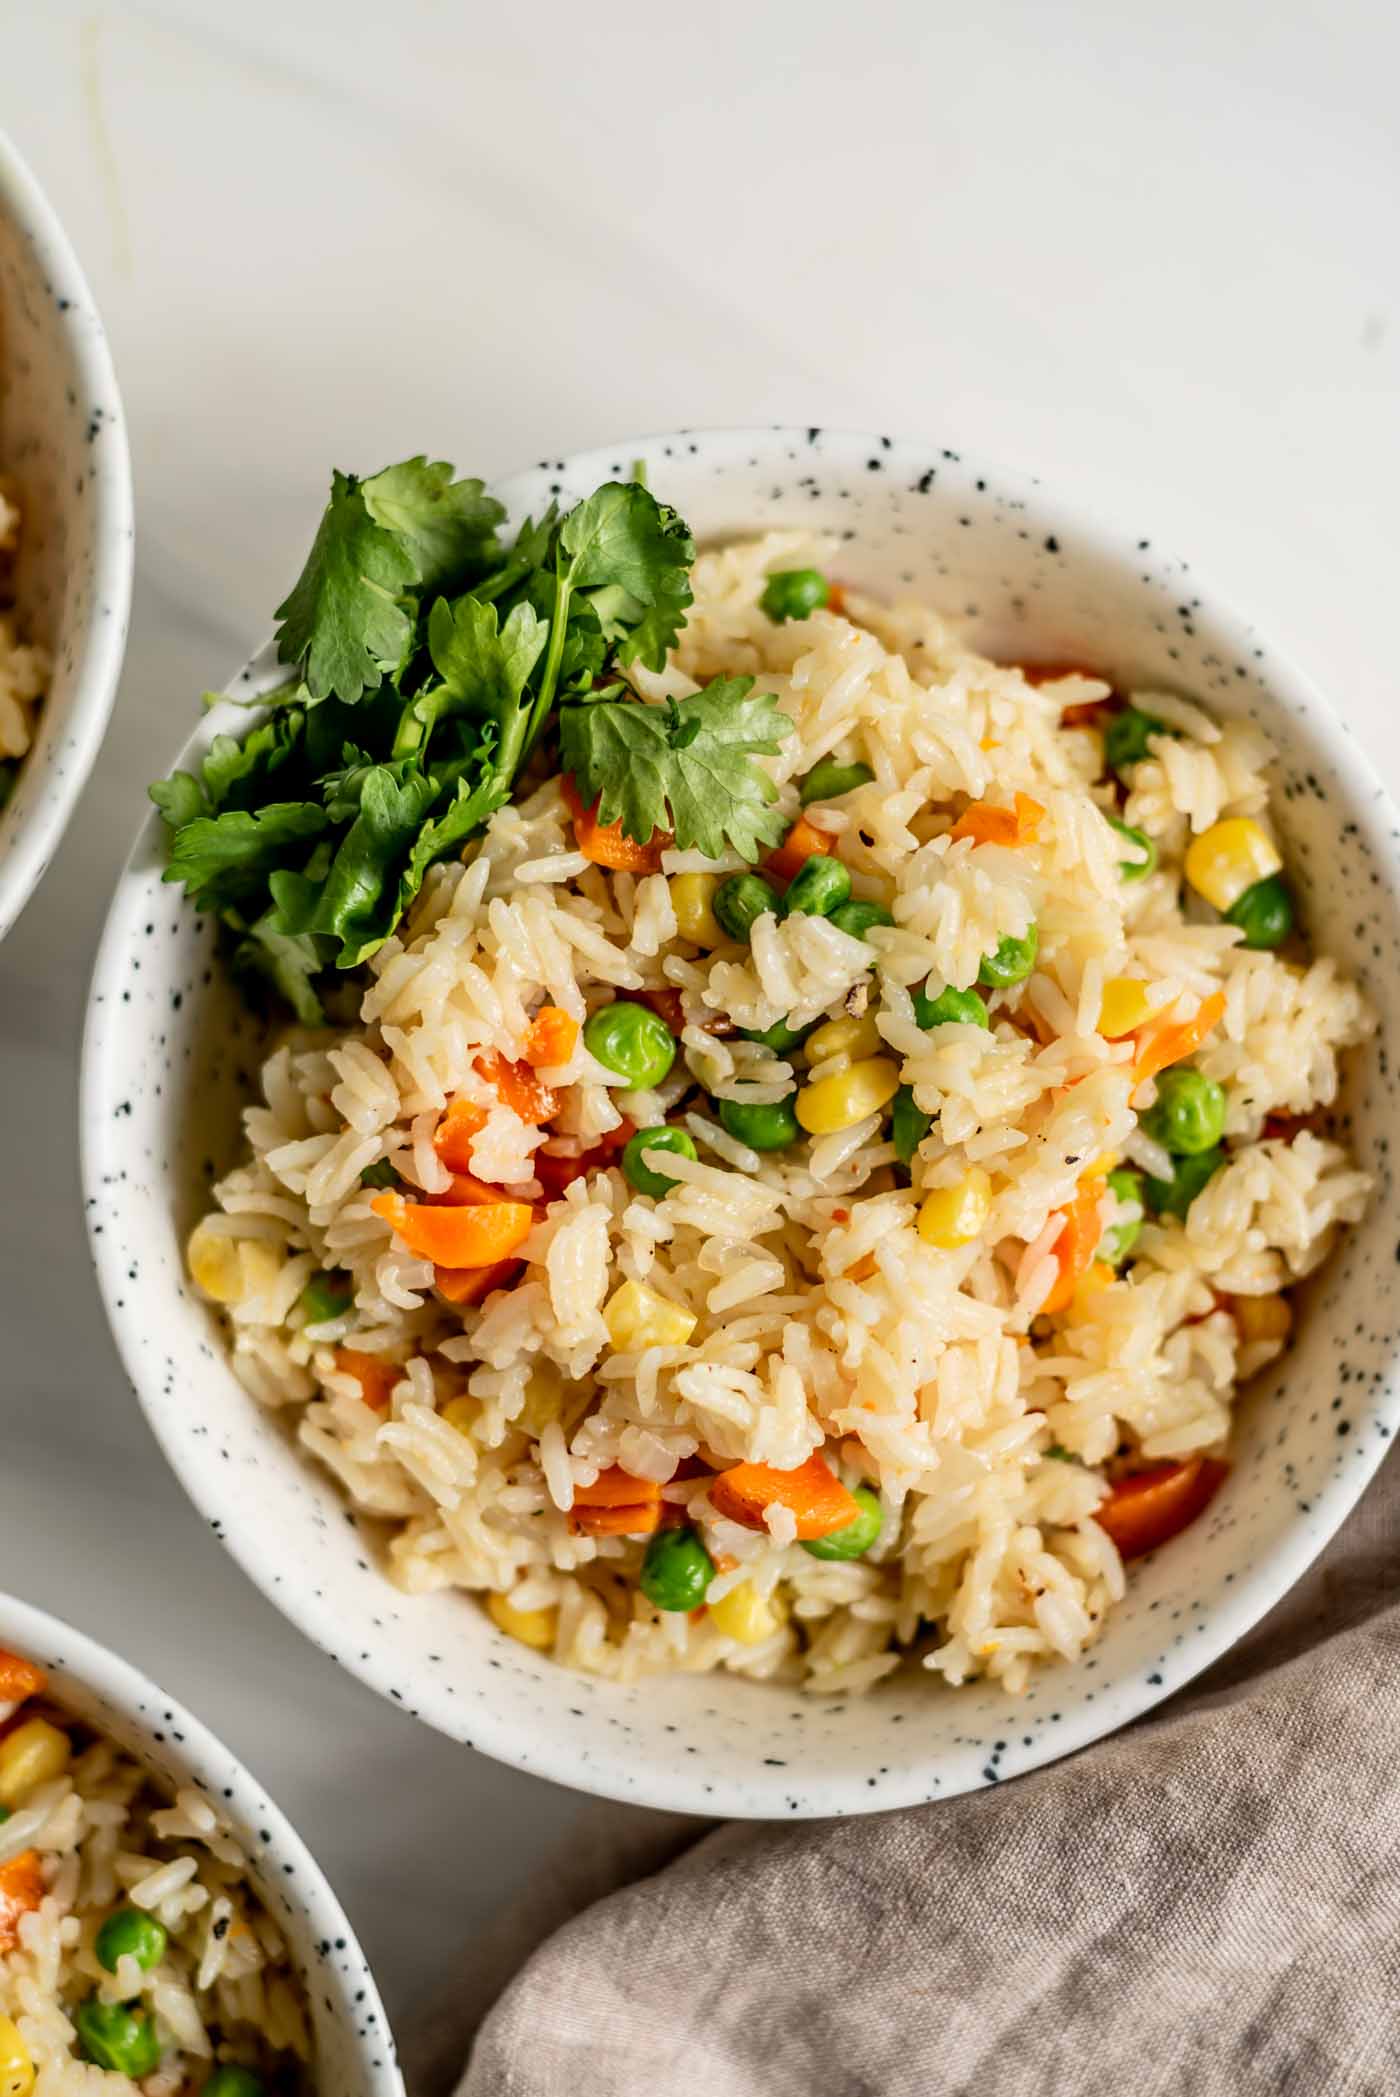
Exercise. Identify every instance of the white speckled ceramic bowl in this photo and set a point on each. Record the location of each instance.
(170, 1057)
(63, 439)
(355, 2047)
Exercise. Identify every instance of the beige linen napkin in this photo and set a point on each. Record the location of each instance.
(1207, 1905)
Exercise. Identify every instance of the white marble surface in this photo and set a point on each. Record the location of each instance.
(1150, 257)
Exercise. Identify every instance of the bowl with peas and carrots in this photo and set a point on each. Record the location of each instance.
(762, 1127)
(159, 1918)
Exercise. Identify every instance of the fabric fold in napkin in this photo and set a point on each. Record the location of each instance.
(1209, 1903)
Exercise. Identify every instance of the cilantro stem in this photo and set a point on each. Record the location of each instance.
(539, 711)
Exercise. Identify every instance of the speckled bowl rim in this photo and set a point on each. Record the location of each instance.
(28, 846)
(154, 1716)
(764, 1793)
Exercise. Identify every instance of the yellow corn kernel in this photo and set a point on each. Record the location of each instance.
(636, 1317)
(1262, 1318)
(544, 1400)
(229, 1269)
(1097, 1277)
(1123, 1006)
(844, 1037)
(853, 1094)
(462, 1413)
(1229, 858)
(954, 1216)
(33, 1754)
(1102, 1165)
(16, 2067)
(692, 896)
(533, 1627)
(747, 1616)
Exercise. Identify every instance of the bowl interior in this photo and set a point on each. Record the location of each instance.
(171, 1056)
(63, 441)
(354, 2045)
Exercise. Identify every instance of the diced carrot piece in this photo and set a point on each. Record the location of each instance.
(551, 1037)
(1148, 1508)
(479, 1236)
(457, 1131)
(637, 1520)
(469, 1285)
(814, 1493)
(21, 1890)
(19, 1678)
(1087, 713)
(1076, 1244)
(607, 844)
(835, 597)
(372, 1373)
(518, 1087)
(1167, 1044)
(555, 1174)
(803, 842)
(466, 1192)
(616, 1488)
(987, 824)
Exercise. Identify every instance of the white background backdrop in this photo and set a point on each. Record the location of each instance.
(1152, 256)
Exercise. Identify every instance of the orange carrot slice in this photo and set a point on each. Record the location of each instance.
(19, 1678)
(21, 1890)
(470, 1285)
(815, 1495)
(987, 824)
(519, 1088)
(616, 1488)
(803, 842)
(457, 1131)
(1076, 1245)
(551, 1037)
(1167, 1044)
(372, 1373)
(458, 1237)
(1148, 1508)
(638, 1520)
(607, 844)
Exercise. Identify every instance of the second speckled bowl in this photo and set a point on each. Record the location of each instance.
(171, 1056)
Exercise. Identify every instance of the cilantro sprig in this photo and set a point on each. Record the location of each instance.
(428, 660)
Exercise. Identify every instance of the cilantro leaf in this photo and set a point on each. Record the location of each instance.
(624, 538)
(484, 666)
(448, 527)
(686, 767)
(351, 905)
(346, 623)
(288, 961)
(180, 799)
(232, 848)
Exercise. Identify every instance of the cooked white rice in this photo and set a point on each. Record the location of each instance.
(99, 1835)
(24, 667)
(824, 1322)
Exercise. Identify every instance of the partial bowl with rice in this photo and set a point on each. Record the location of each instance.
(161, 1923)
(899, 1448)
(66, 532)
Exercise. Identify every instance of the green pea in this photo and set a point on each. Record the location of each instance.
(818, 887)
(644, 1177)
(780, 1037)
(380, 1174)
(5, 1812)
(234, 2082)
(1120, 1240)
(1264, 913)
(1126, 737)
(829, 780)
(962, 1007)
(1174, 1197)
(677, 1570)
(1012, 962)
(1188, 1114)
(128, 1933)
(908, 1124)
(794, 593)
(857, 918)
(326, 1296)
(1136, 869)
(632, 1041)
(740, 901)
(859, 1534)
(762, 1125)
(115, 2037)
